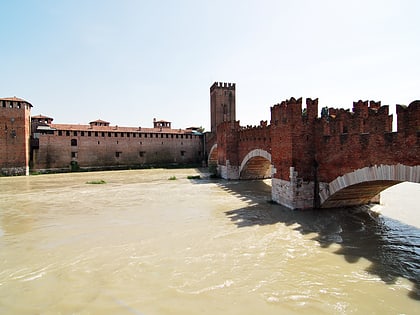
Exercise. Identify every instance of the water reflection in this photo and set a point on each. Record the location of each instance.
(392, 247)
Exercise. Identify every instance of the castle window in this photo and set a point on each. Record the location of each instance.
(161, 135)
(118, 154)
(141, 143)
(89, 133)
(82, 133)
(134, 135)
(145, 135)
(128, 135)
(103, 134)
(60, 133)
(73, 142)
(116, 134)
(122, 134)
(18, 105)
(75, 133)
(167, 135)
(4, 103)
(11, 105)
(74, 155)
(68, 133)
(182, 153)
(96, 134)
(142, 153)
(109, 134)
(177, 136)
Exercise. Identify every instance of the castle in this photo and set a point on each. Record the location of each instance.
(341, 158)
(37, 144)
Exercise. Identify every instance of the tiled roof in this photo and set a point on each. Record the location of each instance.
(74, 127)
(99, 121)
(14, 99)
(41, 117)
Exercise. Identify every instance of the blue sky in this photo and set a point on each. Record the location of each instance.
(130, 61)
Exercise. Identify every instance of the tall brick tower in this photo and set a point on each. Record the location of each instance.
(222, 104)
(15, 129)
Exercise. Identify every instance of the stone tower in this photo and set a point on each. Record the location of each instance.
(222, 104)
(15, 131)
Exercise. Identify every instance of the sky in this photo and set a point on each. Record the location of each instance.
(129, 61)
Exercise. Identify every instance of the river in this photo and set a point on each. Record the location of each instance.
(144, 244)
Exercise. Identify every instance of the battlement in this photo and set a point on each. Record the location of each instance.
(223, 85)
(291, 110)
(408, 118)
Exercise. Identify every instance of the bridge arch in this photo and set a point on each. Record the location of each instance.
(212, 160)
(362, 185)
(256, 165)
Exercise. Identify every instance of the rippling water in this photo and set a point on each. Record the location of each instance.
(143, 244)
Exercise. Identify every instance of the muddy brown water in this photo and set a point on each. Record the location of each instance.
(144, 244)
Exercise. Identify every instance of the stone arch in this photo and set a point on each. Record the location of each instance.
(362, 185)
(212, 160)
(256, 165)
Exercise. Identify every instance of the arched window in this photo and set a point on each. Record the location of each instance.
(74, 142)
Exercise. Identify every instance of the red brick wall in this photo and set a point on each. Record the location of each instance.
(55, 151)
(251, 138)
(14, 136)
(222, 104)
(336, 144)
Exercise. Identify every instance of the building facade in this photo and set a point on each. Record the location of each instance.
(99, 145)
(37, 144)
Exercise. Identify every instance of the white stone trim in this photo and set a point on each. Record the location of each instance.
(214, 147)
(252, 154)
(399, 172)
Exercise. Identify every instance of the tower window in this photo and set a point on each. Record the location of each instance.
(74, 142)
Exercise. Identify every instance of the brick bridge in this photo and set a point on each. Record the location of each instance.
(340, 159)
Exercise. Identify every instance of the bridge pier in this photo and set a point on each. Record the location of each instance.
(228, 171)
(293, 194)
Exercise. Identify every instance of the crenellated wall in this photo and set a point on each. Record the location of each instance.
(308, 152)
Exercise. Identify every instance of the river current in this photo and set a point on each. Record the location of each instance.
(143, 243)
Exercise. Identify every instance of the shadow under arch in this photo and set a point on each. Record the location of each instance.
(361, 186)
(391, 247)
(256, 165)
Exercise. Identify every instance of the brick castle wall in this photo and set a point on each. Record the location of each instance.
(116, 148)
(14, 136)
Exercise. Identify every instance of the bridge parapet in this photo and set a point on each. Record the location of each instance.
(408, 118)
(308, 152)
